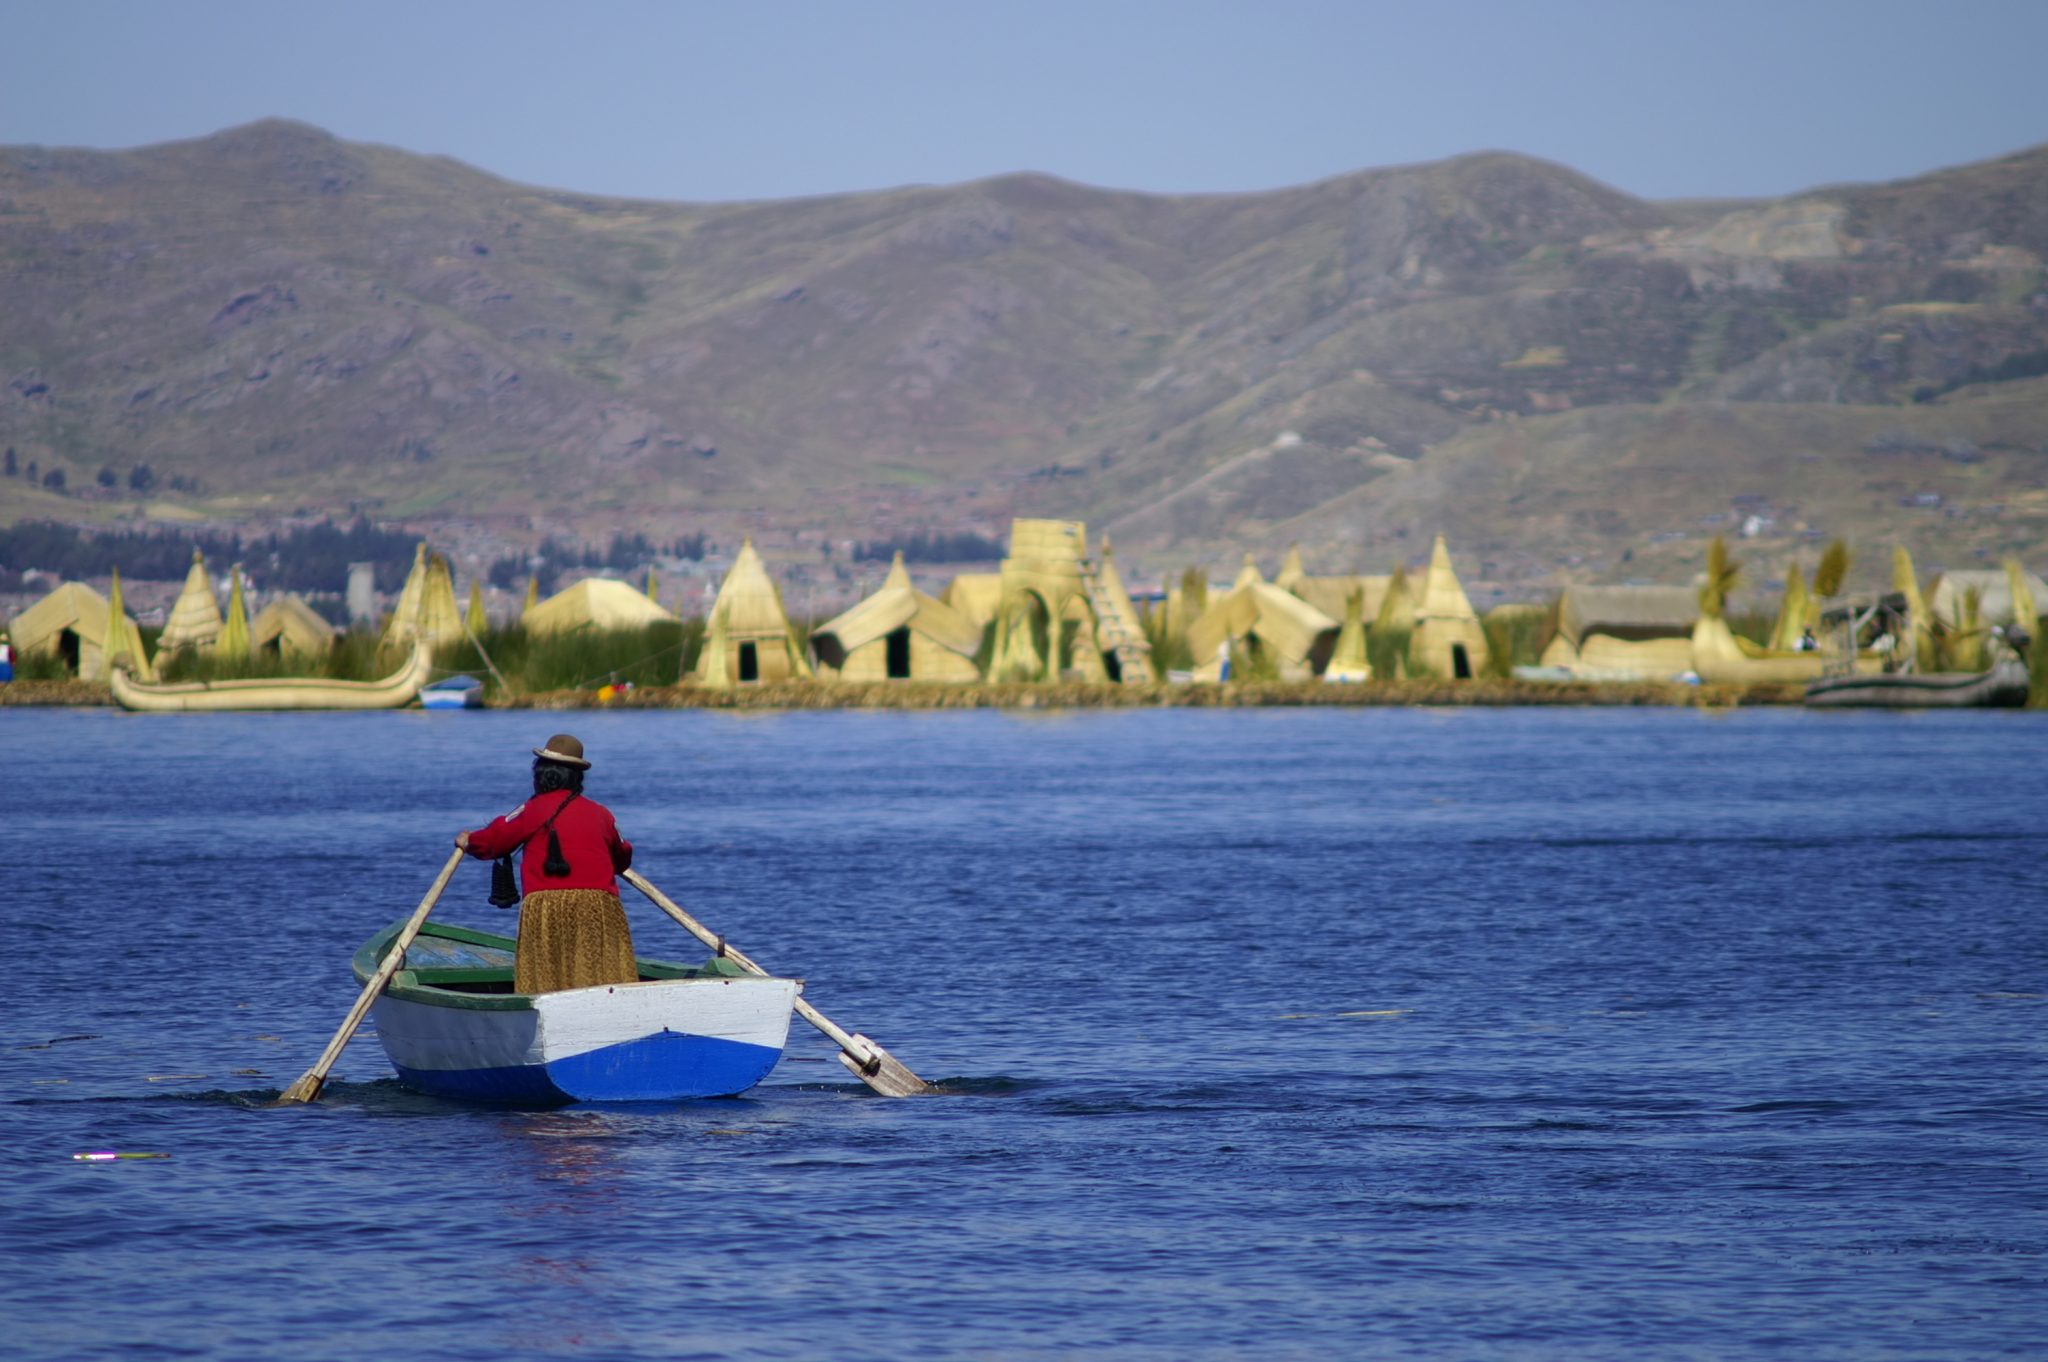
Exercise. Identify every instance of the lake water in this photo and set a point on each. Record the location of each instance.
(1372, 1033)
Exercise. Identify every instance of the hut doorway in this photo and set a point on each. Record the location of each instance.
(750, 663)
(1461, 663)
(67, 648)
(899, 654)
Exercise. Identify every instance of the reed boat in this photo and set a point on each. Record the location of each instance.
(2002, 686)
(280, 693)
(453, 1027)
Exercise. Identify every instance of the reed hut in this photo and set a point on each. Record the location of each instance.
(898, 634)
(78, 625)
(1994, 596)
(1258, 617)
(426, 604)
(1044, 620)
(757, 641)
(1624, 633)
(195, 620)
(288, 627)
(1119, 633)
(1448, 640)
(595, 603)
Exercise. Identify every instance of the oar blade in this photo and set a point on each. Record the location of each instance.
(305, 1090)
(309, 1084)
(885, 1073)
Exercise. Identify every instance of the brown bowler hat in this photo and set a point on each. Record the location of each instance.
(564, 749)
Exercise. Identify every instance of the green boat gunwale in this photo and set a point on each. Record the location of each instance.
(432, 985)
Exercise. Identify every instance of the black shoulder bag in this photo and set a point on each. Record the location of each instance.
(505, 879)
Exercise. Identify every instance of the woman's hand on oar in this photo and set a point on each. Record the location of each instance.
(867, 1061)
(309, 1084)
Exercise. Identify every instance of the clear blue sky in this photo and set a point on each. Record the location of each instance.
(775, 98)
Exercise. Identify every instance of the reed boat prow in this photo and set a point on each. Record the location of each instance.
(453, 1027)
(275, 693)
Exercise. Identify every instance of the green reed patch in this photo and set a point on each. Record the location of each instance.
(584, 659)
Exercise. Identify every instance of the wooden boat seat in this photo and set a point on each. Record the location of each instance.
(460, 980)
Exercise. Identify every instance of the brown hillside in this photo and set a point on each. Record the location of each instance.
(1546, 368)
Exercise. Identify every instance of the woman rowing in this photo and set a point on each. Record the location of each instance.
(572, 927)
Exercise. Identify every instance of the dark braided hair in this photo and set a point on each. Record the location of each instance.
(554, 775)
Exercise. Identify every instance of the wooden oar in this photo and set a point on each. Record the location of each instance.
(869, 1062)
(309, 1084)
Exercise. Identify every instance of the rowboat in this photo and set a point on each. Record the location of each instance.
(2002, 686)
(284, 692)
(453, 1027)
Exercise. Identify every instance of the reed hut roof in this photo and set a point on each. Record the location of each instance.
(1627, 612)
(1443, 596)
(975, 595)
(291, 626)
(1994, 603)
(1048, 541)
(1293, 628)
(74, 606)
(195, 620)
(1291, 570)
(752, 606)
(594, 603)
(1331, 595)
(426, 603)
(897, 604)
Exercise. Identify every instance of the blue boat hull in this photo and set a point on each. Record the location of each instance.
(658, 1068)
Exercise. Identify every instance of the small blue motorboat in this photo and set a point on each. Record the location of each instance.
(453, 692)
(453, 1027)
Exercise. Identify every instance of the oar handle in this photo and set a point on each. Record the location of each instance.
(869, 1062)
(309, 1084)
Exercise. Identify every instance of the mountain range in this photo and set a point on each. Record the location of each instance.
(1566, 380)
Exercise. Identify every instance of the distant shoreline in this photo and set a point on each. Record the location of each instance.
(916, 695)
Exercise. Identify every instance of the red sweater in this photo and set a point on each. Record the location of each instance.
(590, 843)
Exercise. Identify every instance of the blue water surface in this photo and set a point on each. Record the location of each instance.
(1379, 1033)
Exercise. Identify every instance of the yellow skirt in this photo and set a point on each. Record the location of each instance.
(572, 938)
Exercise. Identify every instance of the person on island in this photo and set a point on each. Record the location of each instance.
(572, 927)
